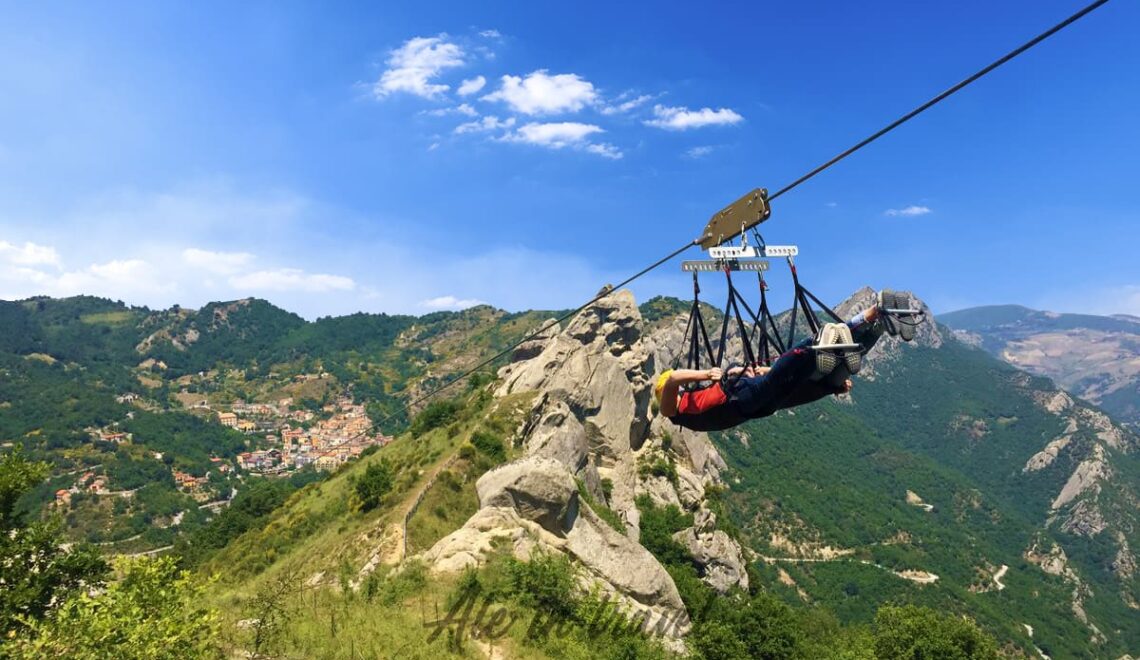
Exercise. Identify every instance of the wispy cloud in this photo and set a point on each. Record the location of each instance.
(605, 150)
(488, 123)
(624, 104)
(491, 34)
(540, 93)
(291, 279)
(471, 86)
(699, 152)
(461, 109)
(450, 303)
(413, 66)
(220, 263)
(681, 118)
(192, 245)
(908, 211)
(28, 254)
(560, 135)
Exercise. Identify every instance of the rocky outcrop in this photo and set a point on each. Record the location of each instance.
(540, 490)
(1043, 458)
(532, 505)
(1087, 476)
(718, 558)
(536, 344)
(592, 423)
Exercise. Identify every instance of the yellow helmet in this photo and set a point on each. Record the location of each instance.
(661, 380)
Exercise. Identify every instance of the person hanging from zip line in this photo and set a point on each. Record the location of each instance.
(806, 373)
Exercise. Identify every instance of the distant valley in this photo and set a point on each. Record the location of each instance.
(1094, 357)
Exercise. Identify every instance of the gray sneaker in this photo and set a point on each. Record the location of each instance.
(836, 346)
(897, 315)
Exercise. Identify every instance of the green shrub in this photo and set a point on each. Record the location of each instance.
(435, 415)
(546, 583)
(658, 467)
(910, 631)
(155, 611)
(608, 515)
(373, 485)
(658, 524)
(490, 445)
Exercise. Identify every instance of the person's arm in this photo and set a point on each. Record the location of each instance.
(679, 377)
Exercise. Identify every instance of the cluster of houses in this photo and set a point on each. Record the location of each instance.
(326, 445)
(88, 482)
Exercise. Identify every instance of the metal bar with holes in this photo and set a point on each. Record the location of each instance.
(718, 265)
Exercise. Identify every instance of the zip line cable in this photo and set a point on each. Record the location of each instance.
(925, 106)
(546, 327)
(868, 140)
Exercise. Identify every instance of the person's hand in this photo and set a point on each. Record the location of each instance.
(715, 374)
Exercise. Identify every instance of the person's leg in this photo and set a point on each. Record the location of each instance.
(753, 396)
(865, 328)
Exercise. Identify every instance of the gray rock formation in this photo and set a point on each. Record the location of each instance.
(593, 421)
(719, 559)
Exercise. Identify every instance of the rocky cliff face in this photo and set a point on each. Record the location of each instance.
(1094, 498)
(592, 428)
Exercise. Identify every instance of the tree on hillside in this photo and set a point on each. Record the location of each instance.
(373, 485)
(912, 632)
(36, 568)
(154, 611)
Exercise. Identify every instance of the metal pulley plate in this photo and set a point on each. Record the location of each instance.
(729, 222)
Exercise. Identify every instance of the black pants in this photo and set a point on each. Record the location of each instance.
(789, 382)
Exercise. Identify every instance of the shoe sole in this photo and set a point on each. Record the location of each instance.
(906, 327)
(826, 360)
(889, 300)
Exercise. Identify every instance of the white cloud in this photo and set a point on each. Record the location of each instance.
(450, 302)
(540, 93)
(130, 246)
(491, 34)
(623, 106)
(119, 269)
(413, 66)
(605, 150)
(560, 135)
(461, 109)
(118, 278)
(221, 263)
(681, 118)
(291, 279)
(472, 85)
(554, 135)
(831, 205)
(29, 254)
(908, 212)
(699, 152)
(488, 123)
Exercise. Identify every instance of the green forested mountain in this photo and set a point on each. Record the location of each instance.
(80, 370)
(948, 480)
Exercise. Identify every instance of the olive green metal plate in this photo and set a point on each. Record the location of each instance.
(744, 213)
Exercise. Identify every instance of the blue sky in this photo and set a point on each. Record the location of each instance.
(433, 155)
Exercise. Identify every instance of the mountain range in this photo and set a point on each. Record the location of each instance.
(947, 478)
(1094, 357)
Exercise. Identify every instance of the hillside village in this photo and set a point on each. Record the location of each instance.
(282, 437)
